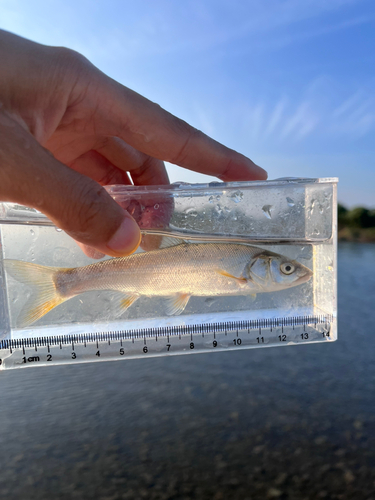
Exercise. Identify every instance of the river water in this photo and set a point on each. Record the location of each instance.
(289, 423)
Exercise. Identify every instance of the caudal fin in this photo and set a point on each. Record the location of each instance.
(44, 296)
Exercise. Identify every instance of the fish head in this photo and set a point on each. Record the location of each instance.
(273, 272)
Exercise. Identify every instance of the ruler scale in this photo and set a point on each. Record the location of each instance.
(173, 340)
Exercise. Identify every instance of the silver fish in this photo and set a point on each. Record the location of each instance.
(176, 272)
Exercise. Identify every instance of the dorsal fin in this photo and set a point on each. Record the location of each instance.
(170, 241)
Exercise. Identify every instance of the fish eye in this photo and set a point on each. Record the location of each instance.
(287, 268)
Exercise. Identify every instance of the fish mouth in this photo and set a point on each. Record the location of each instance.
(304, 278)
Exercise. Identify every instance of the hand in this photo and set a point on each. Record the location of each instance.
(66, 129)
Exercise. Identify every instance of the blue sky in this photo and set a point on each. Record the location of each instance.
(289, 83)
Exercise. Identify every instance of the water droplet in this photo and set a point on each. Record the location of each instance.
(219, 210)
(290, 202)
(191, 211)
(316, 232)
(237, 196)
(212, 199)
(58, 230)
(226, 209)
(267, 209)
(60, 255)
(32, 232)
(156, 206)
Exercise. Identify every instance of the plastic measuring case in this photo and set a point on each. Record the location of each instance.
(222, 266)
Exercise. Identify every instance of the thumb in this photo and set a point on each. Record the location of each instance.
(31, 176)
(93, 218)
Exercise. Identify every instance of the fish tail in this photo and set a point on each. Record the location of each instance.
(44, 296)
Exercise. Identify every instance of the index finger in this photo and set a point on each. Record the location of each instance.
(149, 128)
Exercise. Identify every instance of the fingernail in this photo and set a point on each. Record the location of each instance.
(126, 239)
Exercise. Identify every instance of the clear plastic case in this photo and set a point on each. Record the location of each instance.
(235, 252)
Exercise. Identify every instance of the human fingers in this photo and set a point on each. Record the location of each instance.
(155, 211)
(108, 165)
(97, 167)
(123, 113)
(100, 169)
(144, 169)
(30, 175)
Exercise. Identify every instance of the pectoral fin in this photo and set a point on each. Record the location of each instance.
(177, 303)
(228, 275)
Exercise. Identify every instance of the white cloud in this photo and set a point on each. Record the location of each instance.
(355, 116)
(301, 123)
(276, 117)
(348, 105)
(134, 29)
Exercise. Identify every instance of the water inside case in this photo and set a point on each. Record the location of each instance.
(256, 254)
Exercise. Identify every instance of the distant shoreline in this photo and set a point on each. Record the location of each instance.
(362, 235)
(356, 225)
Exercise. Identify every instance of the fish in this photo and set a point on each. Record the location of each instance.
(178, 270)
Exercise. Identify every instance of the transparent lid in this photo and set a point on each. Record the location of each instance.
(288, 209)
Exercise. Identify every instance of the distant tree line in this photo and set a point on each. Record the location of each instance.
(356, 218)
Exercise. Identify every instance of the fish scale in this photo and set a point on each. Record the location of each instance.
(186, 267)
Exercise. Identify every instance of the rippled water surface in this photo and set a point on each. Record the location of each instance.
(289, 423)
